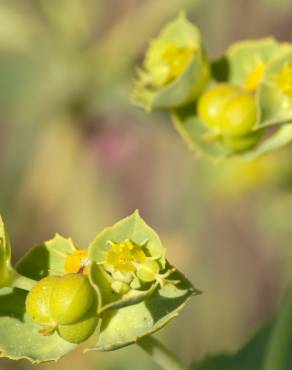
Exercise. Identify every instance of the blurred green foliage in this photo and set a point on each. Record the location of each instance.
(75, 156)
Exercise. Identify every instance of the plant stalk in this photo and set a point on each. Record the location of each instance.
(160, 354)
(278, 344)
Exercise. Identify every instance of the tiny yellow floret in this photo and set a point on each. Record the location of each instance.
(125, 256)
(254, 78)
(166, 61)
(77, 262)
(284, 80)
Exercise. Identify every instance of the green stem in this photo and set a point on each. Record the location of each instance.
(279, 341)
(160, 354)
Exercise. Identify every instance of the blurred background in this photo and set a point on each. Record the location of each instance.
(75, 156)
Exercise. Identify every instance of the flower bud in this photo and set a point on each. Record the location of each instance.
(148, 271)
(120, 287)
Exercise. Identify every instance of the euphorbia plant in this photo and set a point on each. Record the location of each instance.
(240, 104)
(122, 288)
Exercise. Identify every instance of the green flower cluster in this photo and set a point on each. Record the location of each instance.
(240, 104)
(121, 288)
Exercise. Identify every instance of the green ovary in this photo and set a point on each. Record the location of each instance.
(239, 115)
(66, 304)
(71, 298)
(242, 143)
(79, 331)
(38, 301)
(213, 101)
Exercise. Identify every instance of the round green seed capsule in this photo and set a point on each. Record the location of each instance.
(120, 287)
(38, 300)
(148, 271)
(239, 115)
(71, 298)
(80, 330)
(213, 101)
(242, 143)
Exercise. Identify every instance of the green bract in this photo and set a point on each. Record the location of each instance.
(175, 68)
(123, 282)
(131, 253)
(275, 93)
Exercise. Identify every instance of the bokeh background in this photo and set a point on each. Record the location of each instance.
(76, 156)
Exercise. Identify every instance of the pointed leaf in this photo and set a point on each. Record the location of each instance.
(133, 228)
(126, 325)
(196, 135)
(45, 259)
(275, 93)
(250, 357)
(108, 299)
(282, 137)
(247, 61)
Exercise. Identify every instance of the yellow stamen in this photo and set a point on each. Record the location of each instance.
(284, 80)
(254, 78)
(77, 262)
(124, 256)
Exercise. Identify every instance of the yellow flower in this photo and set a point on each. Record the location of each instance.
(166, 61)
(125, 256)
(77, 262)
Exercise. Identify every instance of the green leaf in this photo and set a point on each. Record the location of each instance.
(280, 138)
(46, 259)
(196, 135)
(5, 255)
(245, 58)
(124, 326)
(175, 68)
(275, 93)
(135, 229)
(108, 299)
(250, 357)
(19, 336)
